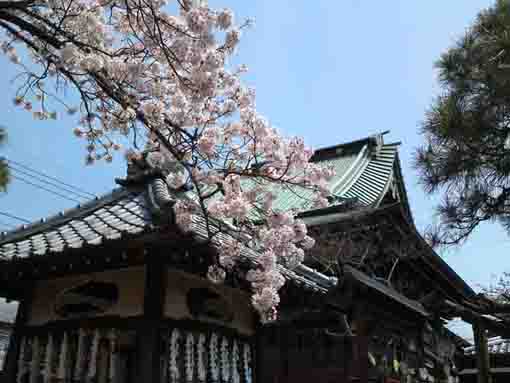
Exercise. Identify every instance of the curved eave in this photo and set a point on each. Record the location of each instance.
(374, 179)
(397, 174)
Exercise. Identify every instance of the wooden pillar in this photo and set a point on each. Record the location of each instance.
(148, 334)
(269, 362)
(360, 352)
(482, 353)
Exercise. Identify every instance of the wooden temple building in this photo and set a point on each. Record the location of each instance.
(499, 362)
(112, 291)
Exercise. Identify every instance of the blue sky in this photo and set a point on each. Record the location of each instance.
(328, 70)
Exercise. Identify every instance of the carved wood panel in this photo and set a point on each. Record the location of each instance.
(382, 251)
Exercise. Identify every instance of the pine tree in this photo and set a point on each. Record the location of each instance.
(466, 154)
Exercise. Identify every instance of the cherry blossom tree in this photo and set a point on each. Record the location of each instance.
(159, 71)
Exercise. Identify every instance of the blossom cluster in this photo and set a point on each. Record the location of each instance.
(137, 67)
(247, 363)
(225, 360)
(236, 378)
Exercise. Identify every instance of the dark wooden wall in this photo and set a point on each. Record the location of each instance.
(304, 356)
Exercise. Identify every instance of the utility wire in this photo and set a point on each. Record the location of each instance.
(28, 168)
(50, 183)
(8, 225)
(53, 182)
(14, 217)
(44, 188)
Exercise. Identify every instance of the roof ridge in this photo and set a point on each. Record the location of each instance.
(376, 136)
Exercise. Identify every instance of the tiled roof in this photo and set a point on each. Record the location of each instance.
(364, 171)
(120, 212)
(371, 183)
(496, 345)
(300, 198)
(115, 215)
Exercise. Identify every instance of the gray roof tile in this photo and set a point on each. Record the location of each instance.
(108, 217)
(496, 345)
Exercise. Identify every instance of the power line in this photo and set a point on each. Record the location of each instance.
(30, 169)
(42, 177)
(55, 185)
(5, 224)
(14, 217)
(45, 189)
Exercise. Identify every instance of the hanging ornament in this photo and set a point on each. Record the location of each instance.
(48, 360)
(213, 357)
(202, 372)
(63, 358)
(225, 362)
(190, 361)
(235, 363)
(94, 349)
(247, 363)
(80, 355)
(174, 352)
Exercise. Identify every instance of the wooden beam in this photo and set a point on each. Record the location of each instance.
(360, 347)
(482, 353)
(499, 327)
(490, 307)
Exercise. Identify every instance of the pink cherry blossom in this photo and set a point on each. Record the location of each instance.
(143, 73)
(225, 19)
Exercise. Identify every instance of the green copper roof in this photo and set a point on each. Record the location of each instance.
(372, 182)
(364, 172)
(298, 198)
